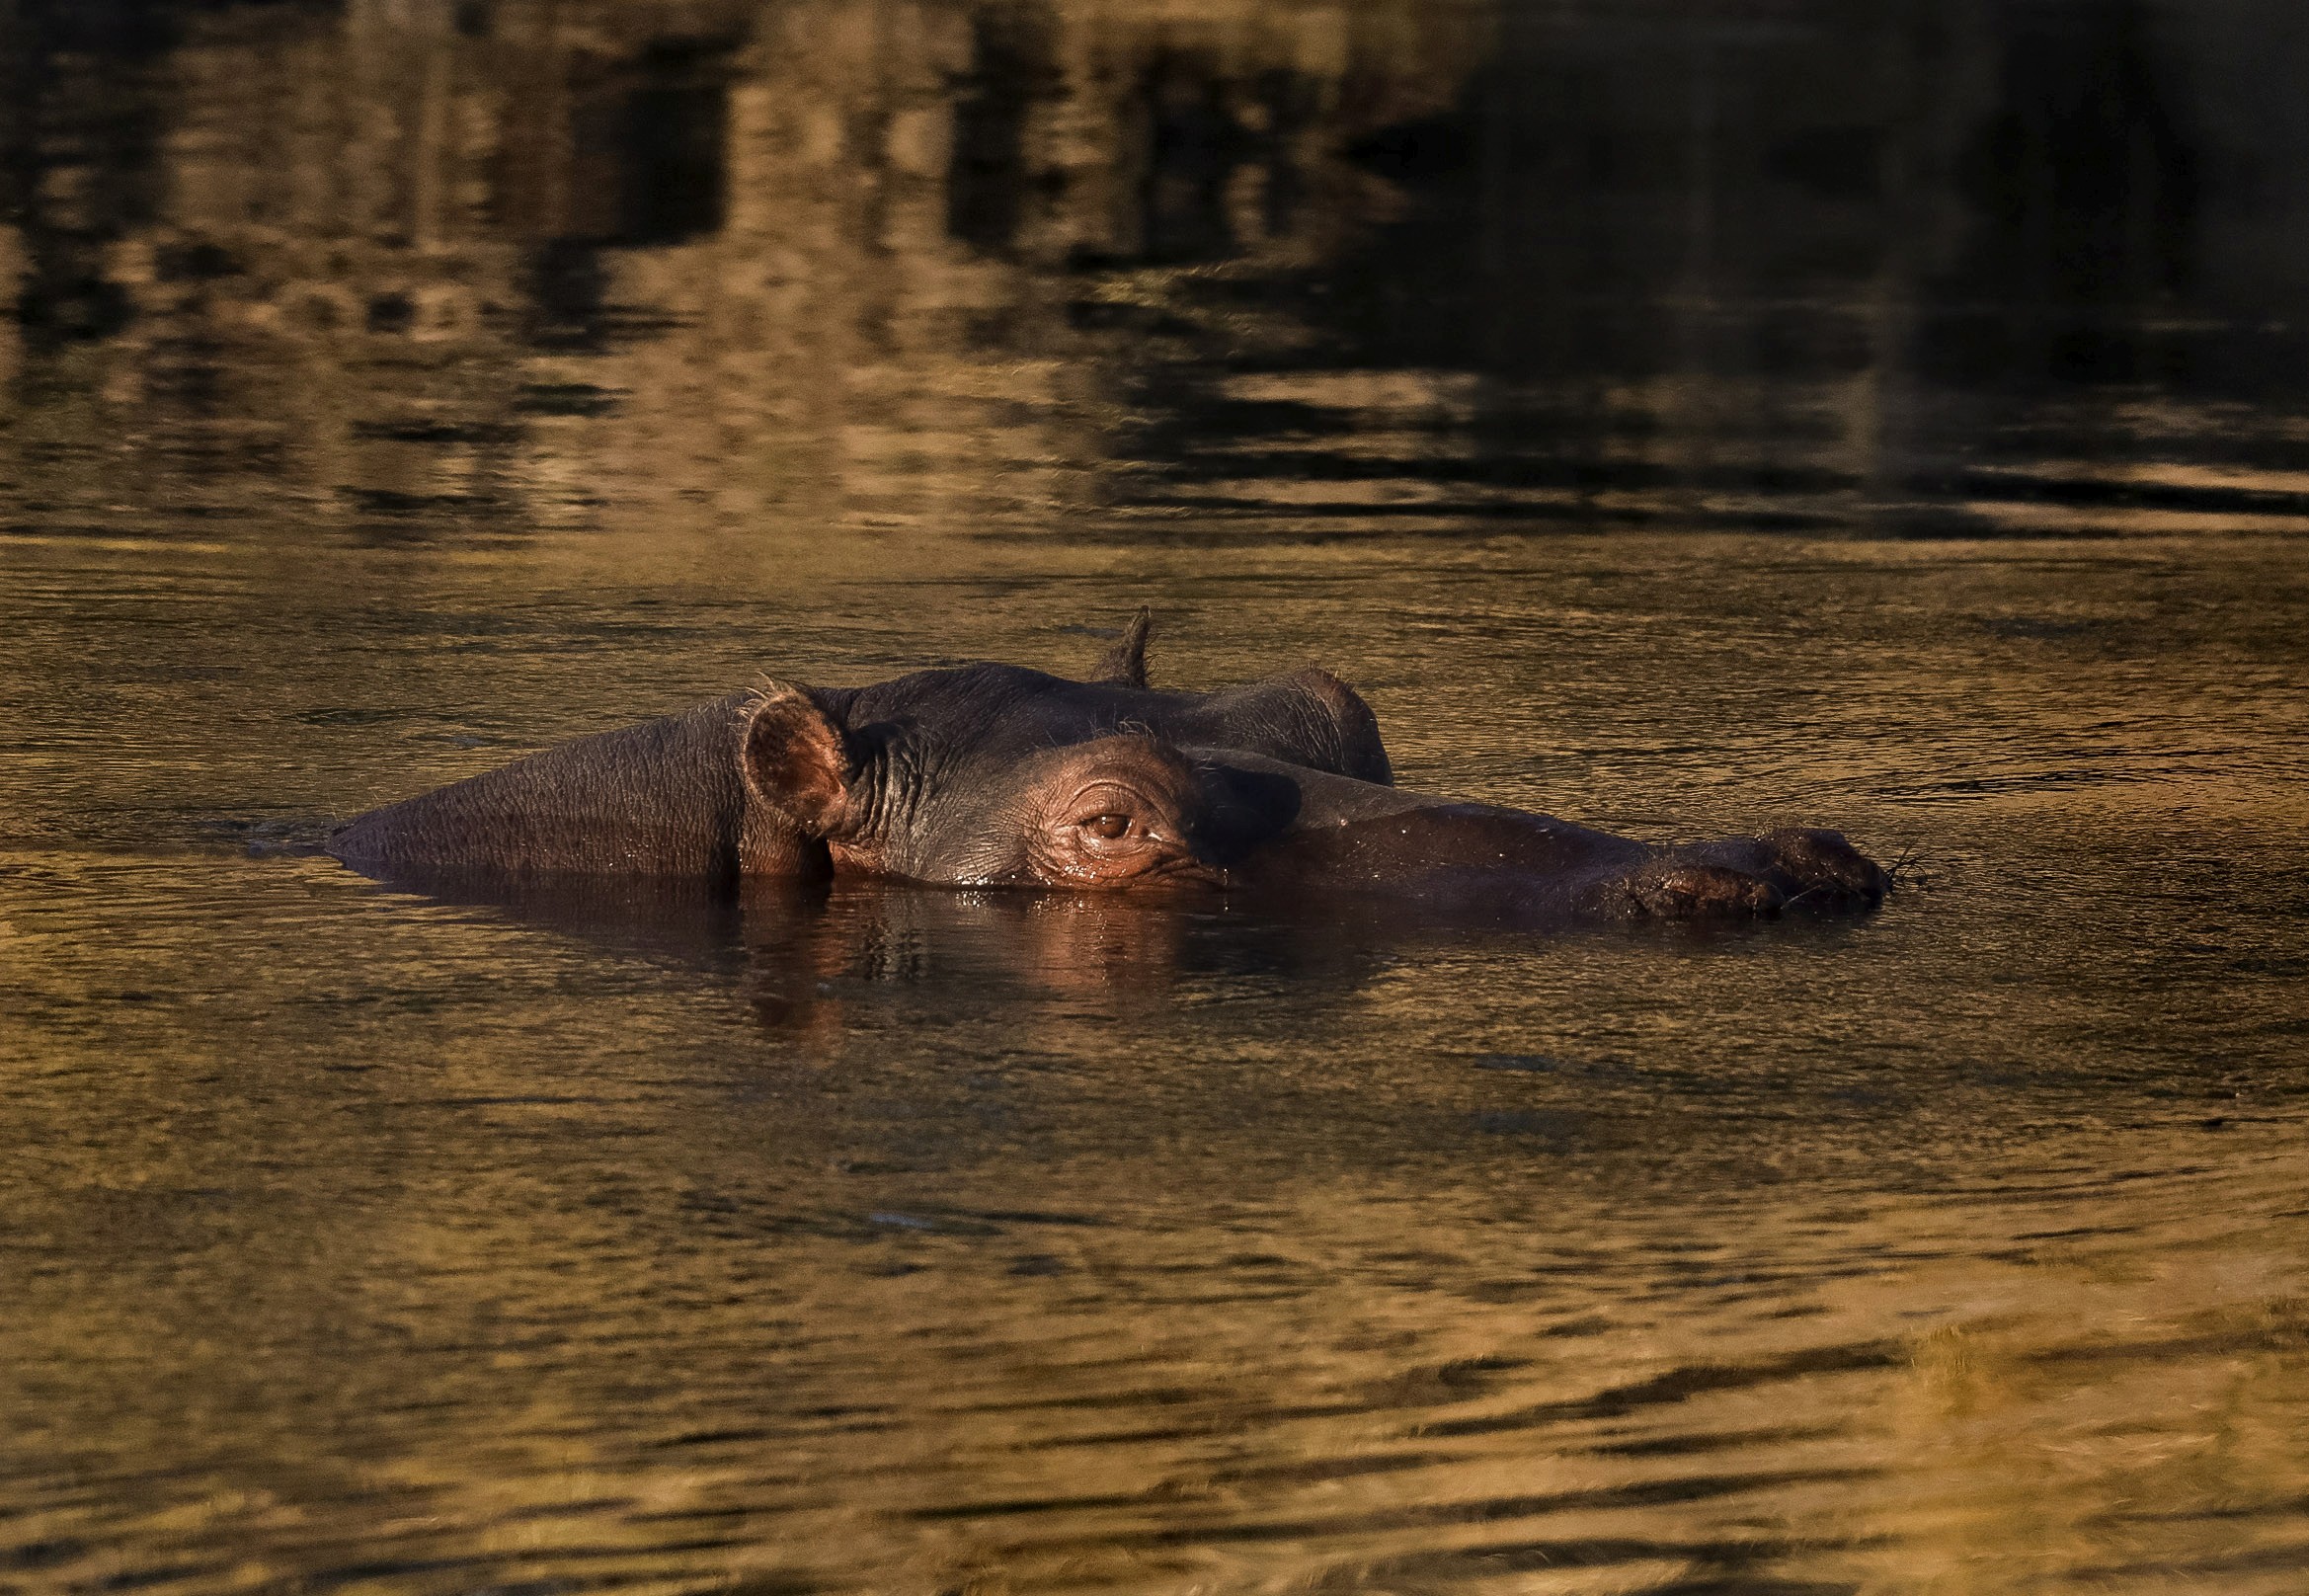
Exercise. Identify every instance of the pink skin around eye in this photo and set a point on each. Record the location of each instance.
(1111, 836)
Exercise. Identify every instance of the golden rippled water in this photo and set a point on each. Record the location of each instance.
(915, 1241)
(1671, 418)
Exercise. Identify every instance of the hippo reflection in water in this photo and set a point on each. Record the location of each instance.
(993, 775)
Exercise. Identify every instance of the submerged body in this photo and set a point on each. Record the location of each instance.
(928, 777)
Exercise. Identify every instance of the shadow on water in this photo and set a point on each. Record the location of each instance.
(799, 950)
(802, 954)
(1923, 266)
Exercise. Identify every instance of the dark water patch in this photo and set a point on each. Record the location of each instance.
(397, 502)
(2280, 1507)
(438, 432)
(1681, 1446)
(30, 1556)
(1019, 1509)
(566, 399)
(1156, 1435)
(2211, 1566)
(1494, 1510)
(1677, 1386)
(1725, 1565)
(1519, 1063)
(175, 1573)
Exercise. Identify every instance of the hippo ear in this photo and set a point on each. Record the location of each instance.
(797, 761)
(1124, 664)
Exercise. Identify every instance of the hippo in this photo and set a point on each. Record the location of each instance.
(997, 776)
(937, 775)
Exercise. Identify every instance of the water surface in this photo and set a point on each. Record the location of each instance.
(1683, 419)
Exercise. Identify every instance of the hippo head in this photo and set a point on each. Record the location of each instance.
(996, 774)
(1001, 806)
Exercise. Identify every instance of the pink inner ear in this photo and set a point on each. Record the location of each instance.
(796, 761)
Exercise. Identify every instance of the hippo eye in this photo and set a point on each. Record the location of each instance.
(1107, 827)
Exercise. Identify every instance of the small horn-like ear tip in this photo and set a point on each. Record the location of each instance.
(1124, 664)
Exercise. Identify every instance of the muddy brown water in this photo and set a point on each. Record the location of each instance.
(1674, 420)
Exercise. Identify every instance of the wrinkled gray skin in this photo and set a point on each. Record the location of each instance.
(930, 766)
(1476, 860)
(998, 775)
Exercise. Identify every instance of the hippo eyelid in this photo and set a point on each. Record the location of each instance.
(1108, 795)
